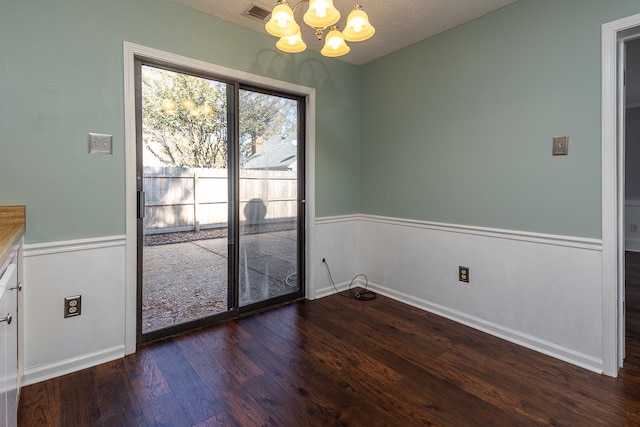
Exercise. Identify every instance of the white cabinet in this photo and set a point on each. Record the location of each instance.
(12, 226)
(9, 342)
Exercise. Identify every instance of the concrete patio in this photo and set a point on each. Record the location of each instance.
(188, 280)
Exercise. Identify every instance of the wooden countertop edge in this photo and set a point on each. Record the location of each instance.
(10, 215)
(12, 227)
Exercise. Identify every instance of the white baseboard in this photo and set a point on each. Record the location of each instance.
(528, 341)
(63, 367)
(324, 292)
(631, 218)
(632, 202)
(329, 290)
(632, 245)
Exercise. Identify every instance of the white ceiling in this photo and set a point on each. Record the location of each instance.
(398, 23)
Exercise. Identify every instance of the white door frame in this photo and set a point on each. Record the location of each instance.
(131, 51)
(612, 198)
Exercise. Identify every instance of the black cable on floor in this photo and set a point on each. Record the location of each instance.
(363, 295)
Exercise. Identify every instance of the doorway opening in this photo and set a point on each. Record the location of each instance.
(220, 198)
(614, 34)
(630, 50)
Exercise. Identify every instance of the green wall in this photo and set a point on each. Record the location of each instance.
(454, 129)
(458, 128)
(61, 76)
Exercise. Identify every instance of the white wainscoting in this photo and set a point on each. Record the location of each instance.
(632, 224)
(543, 292)
(336, 240)
(93, 268)
(540, 291)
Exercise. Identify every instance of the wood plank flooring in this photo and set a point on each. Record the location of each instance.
(338, 361)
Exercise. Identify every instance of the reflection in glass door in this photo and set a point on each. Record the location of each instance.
(271, 197)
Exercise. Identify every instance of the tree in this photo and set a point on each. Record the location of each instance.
(185, 119)
(263, 115)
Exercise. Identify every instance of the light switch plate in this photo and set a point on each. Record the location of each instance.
(100, 143)
(560, 145)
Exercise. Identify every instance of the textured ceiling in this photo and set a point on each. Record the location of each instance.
(398, 23)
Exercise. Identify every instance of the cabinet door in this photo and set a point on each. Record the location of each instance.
(8, 353)
(3, 353)
(12, 353)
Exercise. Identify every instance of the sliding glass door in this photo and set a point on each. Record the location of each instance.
(271, 200)
(220, 199)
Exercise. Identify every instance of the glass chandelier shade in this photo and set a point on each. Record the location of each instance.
(320, 16)
(334, 44)
(358, 28)
(282, 23)
(292, 44)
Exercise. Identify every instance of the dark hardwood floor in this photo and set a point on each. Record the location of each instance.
(338, 361)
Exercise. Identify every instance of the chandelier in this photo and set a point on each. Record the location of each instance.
(321, 15)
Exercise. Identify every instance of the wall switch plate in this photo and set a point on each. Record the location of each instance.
(72, 306)
(100, 143)
(463, 274)
(560, 145)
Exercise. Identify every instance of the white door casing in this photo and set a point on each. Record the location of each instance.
(612, 195)
(131, 51)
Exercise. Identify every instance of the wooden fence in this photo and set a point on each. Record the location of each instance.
(182, 199)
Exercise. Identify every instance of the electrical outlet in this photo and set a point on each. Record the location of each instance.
(72, 306)
(463, 274)
(634, 228)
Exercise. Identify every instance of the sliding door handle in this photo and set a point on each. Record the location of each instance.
(141, 206)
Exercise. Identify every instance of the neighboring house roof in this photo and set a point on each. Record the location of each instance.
(278, 153)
